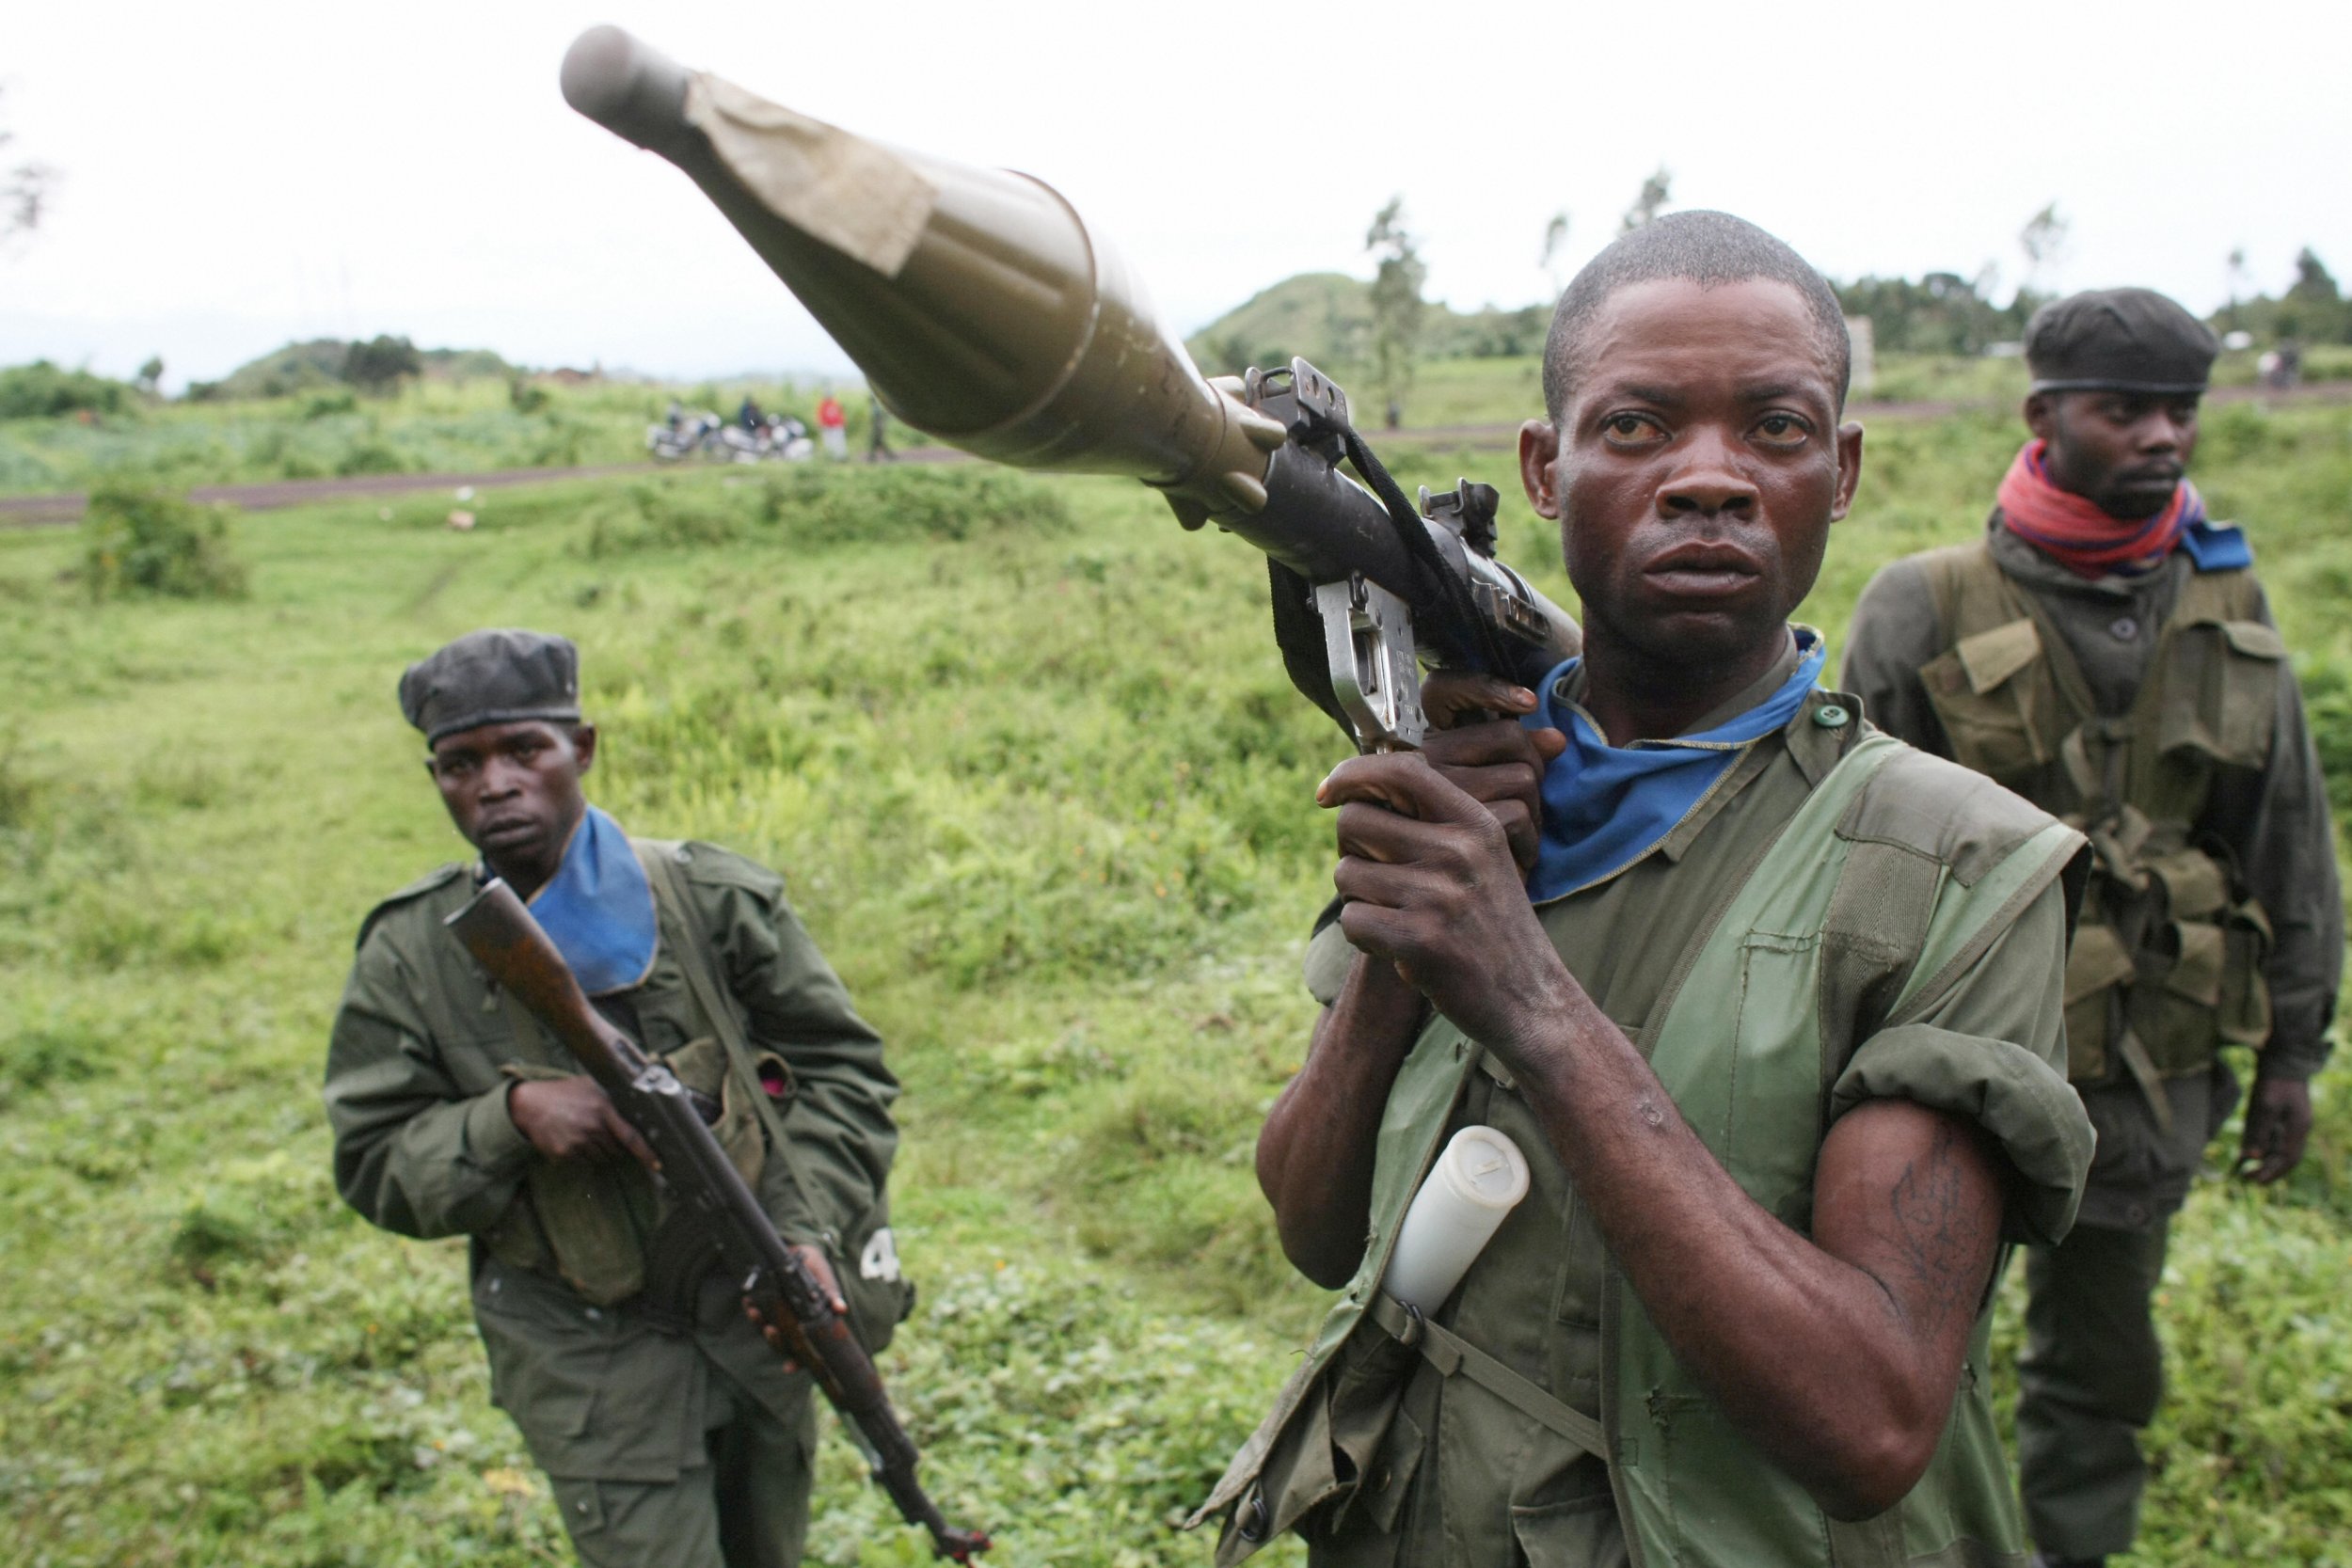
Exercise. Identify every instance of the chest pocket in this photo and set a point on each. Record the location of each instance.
(2221, 691)
(1997, 701)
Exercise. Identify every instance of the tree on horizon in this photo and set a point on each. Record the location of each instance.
(1656, 191)
(1396, 305)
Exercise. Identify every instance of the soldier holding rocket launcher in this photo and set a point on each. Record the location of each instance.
(1767, 1003)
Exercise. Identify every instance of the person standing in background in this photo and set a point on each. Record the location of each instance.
(834, 425)
(2107, 652)
(671, 1434)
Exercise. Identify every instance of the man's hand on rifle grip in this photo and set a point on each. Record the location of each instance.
(1493, 760)
(571, 1119)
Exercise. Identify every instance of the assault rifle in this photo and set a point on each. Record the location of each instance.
(504, 939)
(985, 312)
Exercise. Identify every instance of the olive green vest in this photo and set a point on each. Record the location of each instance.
(1762, 990)
(2168, 958)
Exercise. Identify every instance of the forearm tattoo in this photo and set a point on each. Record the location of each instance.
(1938, 1233)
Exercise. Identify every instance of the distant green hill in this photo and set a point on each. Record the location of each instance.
(1327, 317)
(319, 364)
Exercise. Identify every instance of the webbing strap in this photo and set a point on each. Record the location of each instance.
(1453, 1355)
(2144, 1069)
(718, 1005)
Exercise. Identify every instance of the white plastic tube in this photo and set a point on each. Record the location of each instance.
(1479, 1177)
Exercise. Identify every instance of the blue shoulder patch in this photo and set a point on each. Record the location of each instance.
(2217, 546)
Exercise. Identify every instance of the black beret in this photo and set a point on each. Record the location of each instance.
(2119, 341)
(492, 677)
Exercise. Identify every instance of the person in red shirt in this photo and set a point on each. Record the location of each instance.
(834, 423)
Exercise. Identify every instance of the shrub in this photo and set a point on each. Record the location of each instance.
(381, 363)
(42, 389)
(371, 455)
(138, 540)
(816, 505)
(35, 1056)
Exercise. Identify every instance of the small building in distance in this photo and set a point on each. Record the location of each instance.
(1865, 358)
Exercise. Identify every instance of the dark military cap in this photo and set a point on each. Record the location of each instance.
(492, 677)
(2118, 340)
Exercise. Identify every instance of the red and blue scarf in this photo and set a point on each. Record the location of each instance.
(2093, 542)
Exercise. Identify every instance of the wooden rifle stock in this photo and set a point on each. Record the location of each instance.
(504, 939)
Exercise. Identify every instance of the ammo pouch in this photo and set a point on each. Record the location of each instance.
(2192, 981)
(1352, 1447)
(1354, 1452)
(2167, 961)
(603, 1226)
(585, 1221)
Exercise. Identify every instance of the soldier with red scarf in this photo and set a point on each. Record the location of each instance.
(2106, 651)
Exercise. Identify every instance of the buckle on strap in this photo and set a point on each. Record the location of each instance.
(1451, 1355)
(1402, 1320)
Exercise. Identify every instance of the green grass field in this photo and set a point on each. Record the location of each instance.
(1029, 763)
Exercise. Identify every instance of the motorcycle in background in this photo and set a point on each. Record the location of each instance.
(702, 433)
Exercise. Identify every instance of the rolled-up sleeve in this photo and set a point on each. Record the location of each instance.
(1993, 1051)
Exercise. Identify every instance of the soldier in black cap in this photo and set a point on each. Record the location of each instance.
(670, 1432)
(2106, 651)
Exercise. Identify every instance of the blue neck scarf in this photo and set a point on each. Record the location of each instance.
(598, 908)
(1606, 807)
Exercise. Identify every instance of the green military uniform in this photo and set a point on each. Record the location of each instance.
(642, 1390)
(2217, 919)
(1839, 920)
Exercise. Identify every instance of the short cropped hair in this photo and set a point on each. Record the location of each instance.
(1703, 247)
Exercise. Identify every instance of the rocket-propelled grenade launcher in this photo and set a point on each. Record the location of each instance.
(985, 313)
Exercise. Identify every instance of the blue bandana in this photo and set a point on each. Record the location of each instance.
(598, 908)
(1605, 807)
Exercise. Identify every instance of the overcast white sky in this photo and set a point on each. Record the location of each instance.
(236, 175)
